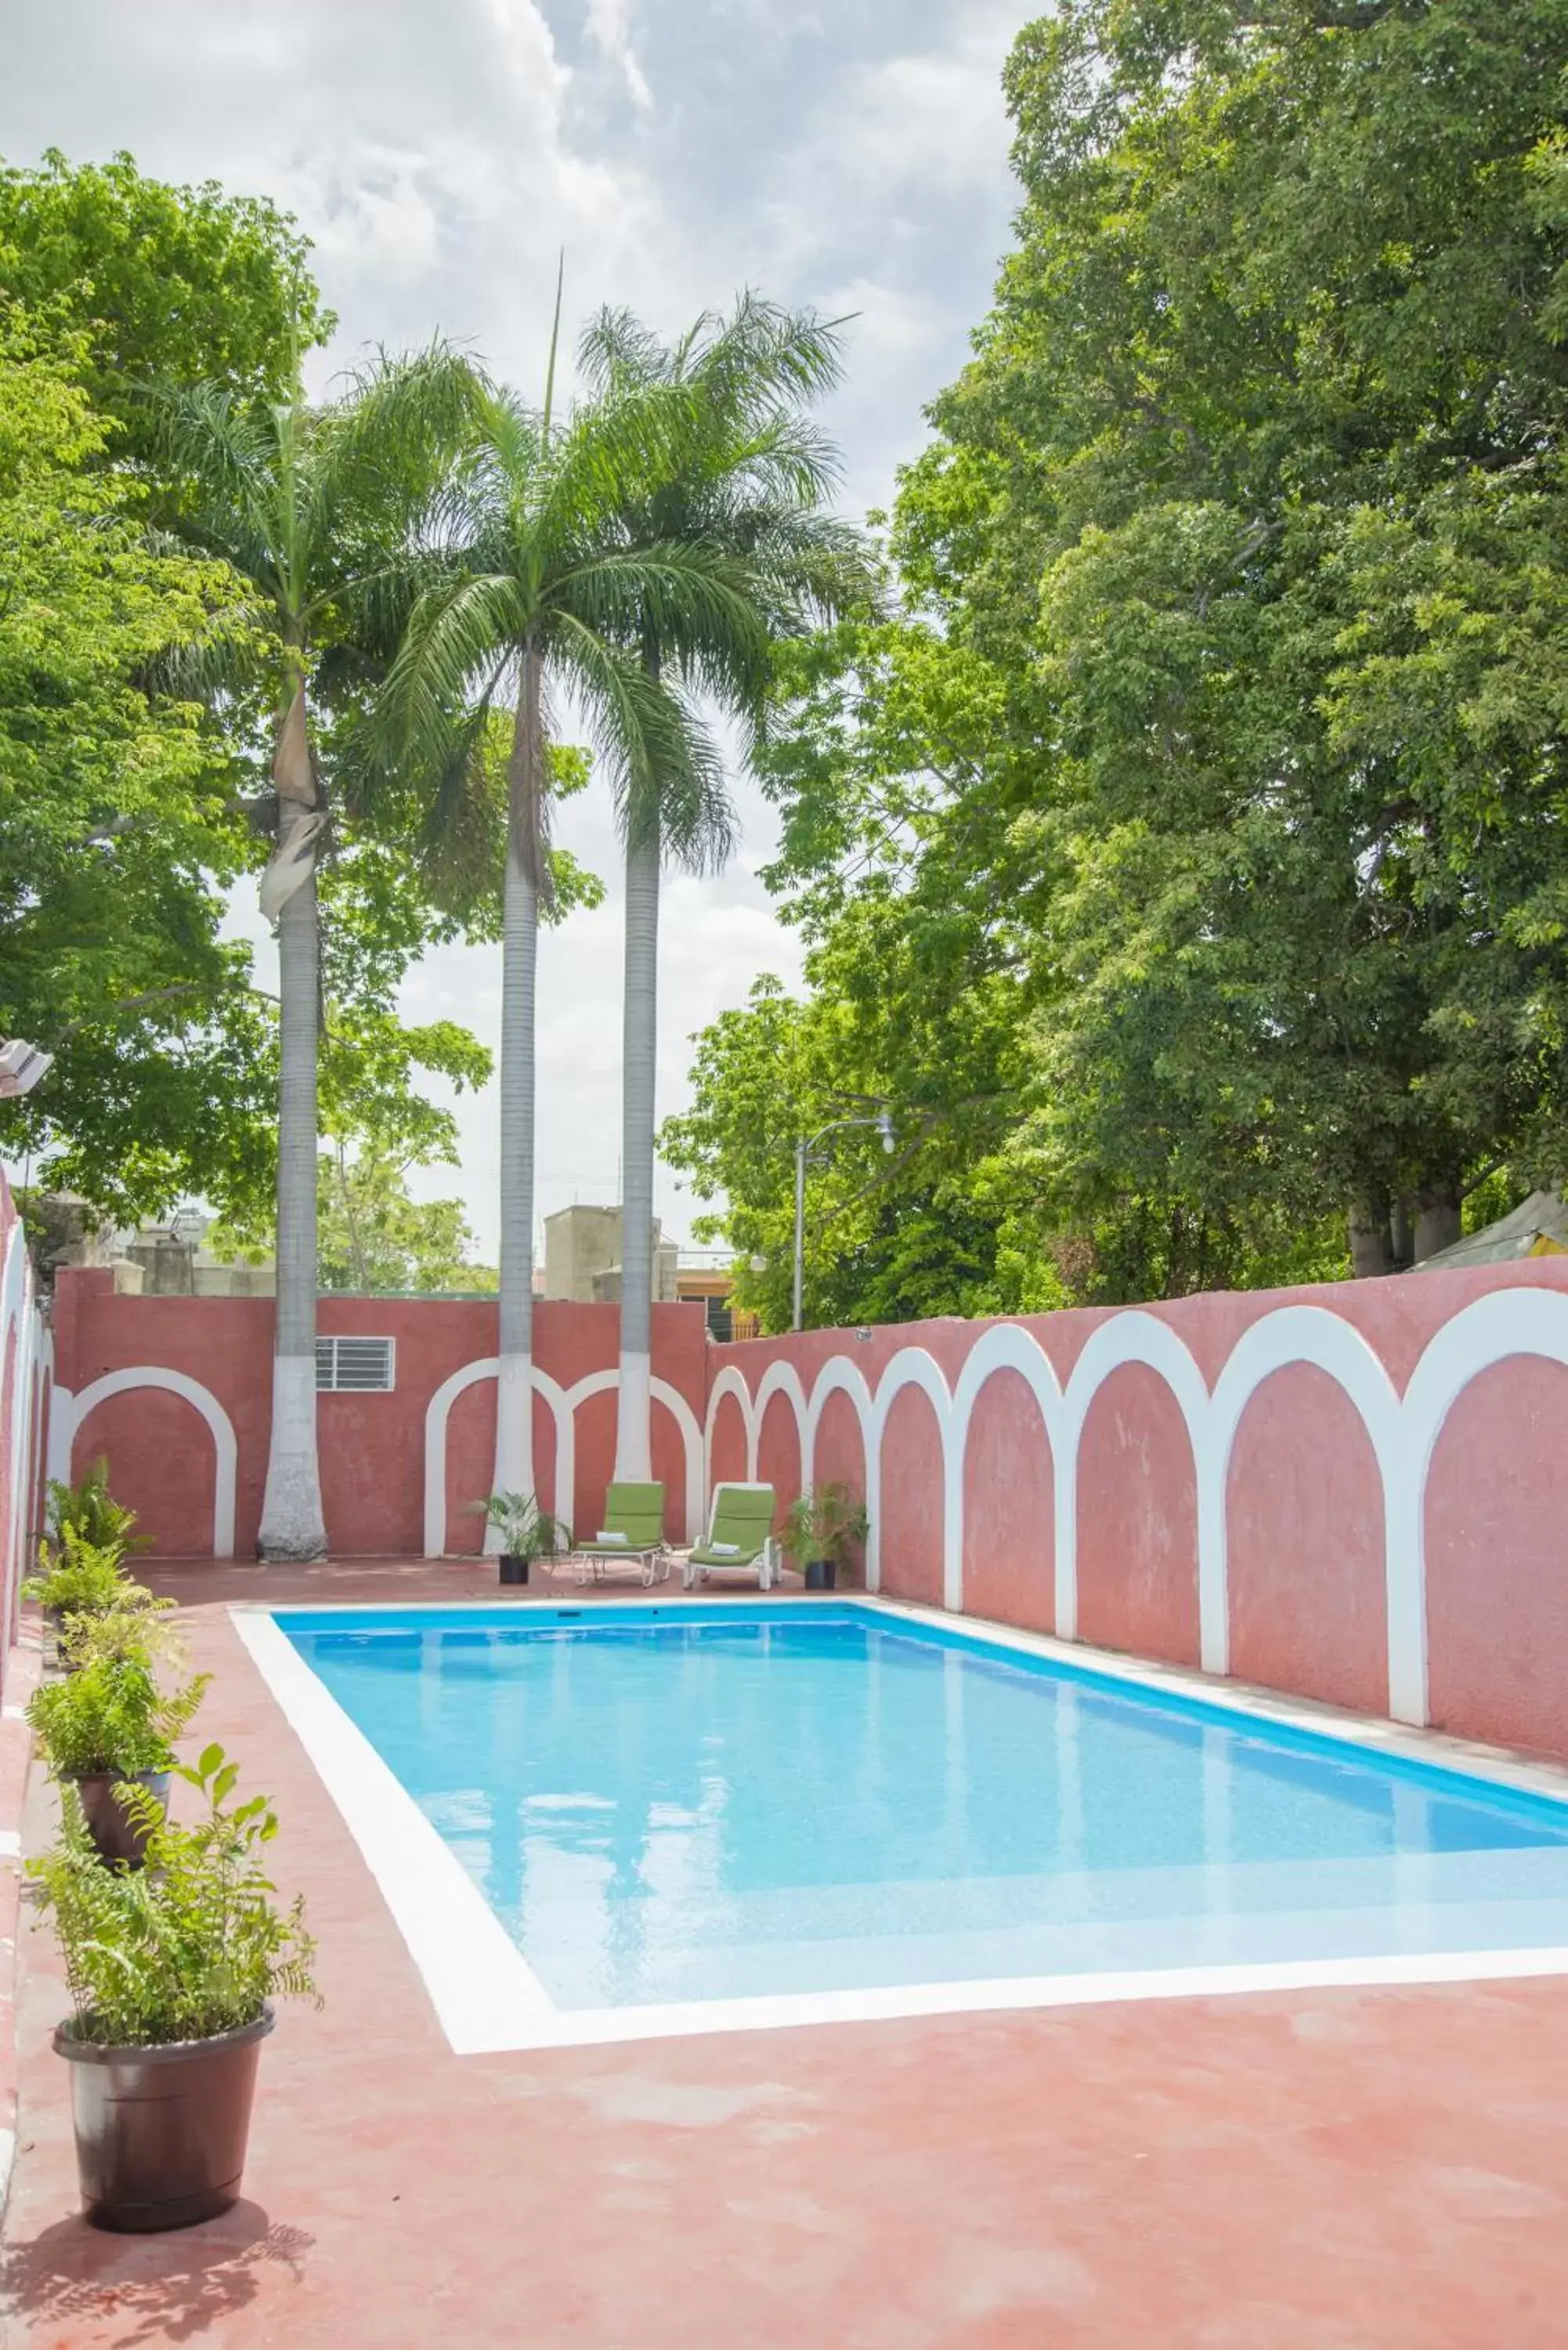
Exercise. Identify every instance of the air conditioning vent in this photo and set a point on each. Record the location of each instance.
(355, 1366)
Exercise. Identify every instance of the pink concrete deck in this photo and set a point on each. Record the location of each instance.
(1346, 2171)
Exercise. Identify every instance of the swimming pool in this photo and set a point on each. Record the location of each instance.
(764, 1812)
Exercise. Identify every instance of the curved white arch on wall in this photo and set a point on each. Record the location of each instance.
(1133, 1337)
(1008, 1346)
(838, 1376)
(912, 1367)
(438, 1411)
(730, 1383)
(68, 1412)
(685, 1419)
(1523, 1321)
(563, 1403)
(779, 1378)
(1292, 1335)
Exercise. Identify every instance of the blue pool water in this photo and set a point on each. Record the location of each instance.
(736, 1802)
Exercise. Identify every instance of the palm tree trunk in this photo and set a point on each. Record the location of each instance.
(519, 968)
(292, 1527)
(633, 1451)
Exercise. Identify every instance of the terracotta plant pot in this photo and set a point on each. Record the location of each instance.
(107, 1822)
(821, 1575)
(512, 1570)
(161, 2132)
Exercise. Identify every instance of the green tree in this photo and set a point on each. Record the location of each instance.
(1220, 749)
(1261, 462)
(375, 1238)
(117, 826)
(541, 589)
(743, 474)
(159, 284)
(316, 509)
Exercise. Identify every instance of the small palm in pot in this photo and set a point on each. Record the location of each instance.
(527, 1533)
(822, 1529)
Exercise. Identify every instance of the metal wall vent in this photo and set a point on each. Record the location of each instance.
(355, 1366)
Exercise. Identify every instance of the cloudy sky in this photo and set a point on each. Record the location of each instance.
(439, 153)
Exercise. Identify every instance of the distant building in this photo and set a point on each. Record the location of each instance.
(582, 1263)
(583, 1258)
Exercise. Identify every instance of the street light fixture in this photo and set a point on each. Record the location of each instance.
(803, 1157)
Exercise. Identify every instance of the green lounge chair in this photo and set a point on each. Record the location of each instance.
(740, 1534)
(633, 1534)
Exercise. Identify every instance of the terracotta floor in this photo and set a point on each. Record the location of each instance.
(1325, 2171)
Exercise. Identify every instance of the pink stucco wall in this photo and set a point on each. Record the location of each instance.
(1239, 1479)
(1496, 1559)
(1009, 1509)
(1304, 1519)
(1138, 1521)
(372, 1447)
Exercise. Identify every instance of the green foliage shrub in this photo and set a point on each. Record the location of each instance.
(89, 1511)
(111, 1715)
(191, 1945)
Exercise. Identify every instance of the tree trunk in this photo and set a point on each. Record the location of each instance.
(292, 1527)
(1439, 1220)
(634, 1449)
(519, 970)
(1371, 1241)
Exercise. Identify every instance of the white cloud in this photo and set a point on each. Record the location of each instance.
(609, 29)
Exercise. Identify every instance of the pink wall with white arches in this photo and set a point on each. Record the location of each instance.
(1357, 1493)
(25, 1367)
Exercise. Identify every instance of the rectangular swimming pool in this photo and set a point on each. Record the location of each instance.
(767, 1811)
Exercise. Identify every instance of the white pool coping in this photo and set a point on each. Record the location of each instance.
(488, 2000)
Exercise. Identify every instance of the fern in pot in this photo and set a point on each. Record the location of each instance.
(822, 1529)
(109, 1727)
(172, 1970)
(89, 1511)
(81, 1579)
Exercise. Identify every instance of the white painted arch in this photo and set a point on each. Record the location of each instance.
(68, 1412)
(563, 1403)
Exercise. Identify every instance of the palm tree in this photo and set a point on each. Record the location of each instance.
(315, 507)
(743, 475)
(543, 593)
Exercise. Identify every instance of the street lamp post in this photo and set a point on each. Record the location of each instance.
(804, 1150)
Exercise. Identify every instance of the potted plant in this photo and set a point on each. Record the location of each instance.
(79, 1579)
(107, 1727)
(527, 1531)
(172, 1970)
(89, 1510)
(821, 1528)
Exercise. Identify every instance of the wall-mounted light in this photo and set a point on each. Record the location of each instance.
(21, 1066)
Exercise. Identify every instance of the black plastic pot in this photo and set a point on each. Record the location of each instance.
(821, 1575)
(161, 2132)
(107, 1822)
(512, 1569)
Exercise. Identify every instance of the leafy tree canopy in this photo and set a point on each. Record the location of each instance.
(1195, 844)
(115, 828)
(163, 284)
